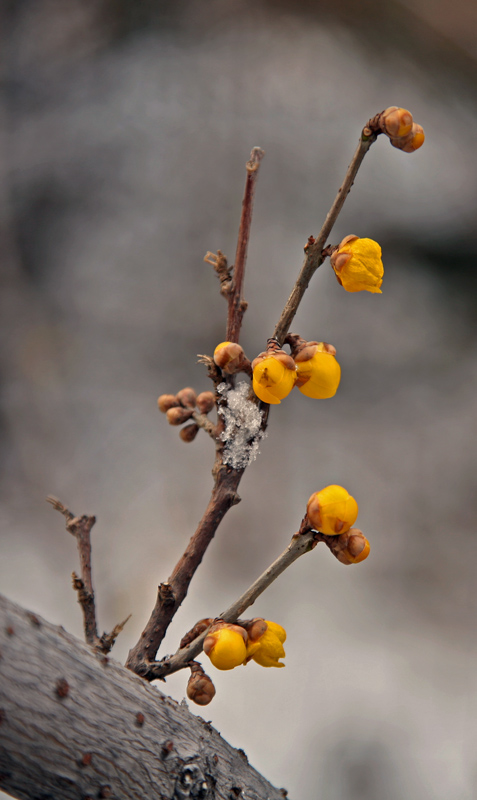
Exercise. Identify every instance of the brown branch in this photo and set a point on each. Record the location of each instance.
(237, 304)
(302, 542)
(80, 528)
(171, 593)
(314, 248)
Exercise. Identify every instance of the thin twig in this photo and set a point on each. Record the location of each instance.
(204, 422)
(302, 542)
(237, 304)
(80, 528)
(314, 250)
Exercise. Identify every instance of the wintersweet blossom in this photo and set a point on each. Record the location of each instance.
(318, 372)
(357, 265)
(226, 646)
(229, 356)
(274, 376)
(332, 510)
(268, 648)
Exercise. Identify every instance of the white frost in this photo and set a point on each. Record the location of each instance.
(242, 434)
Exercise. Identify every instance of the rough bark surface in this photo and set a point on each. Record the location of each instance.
(80, 726)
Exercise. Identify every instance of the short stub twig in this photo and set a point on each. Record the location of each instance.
(80, 528)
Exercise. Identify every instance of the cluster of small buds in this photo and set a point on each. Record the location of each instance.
(228, 646)
(403, 132)
(311, 367)
(357, 265)
(180, 407)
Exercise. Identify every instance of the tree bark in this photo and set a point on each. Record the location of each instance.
(78, 725)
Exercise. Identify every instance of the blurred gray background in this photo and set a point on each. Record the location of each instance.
(125, 127)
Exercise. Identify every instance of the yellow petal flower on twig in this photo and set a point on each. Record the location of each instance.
(332, 510)
(358, 265)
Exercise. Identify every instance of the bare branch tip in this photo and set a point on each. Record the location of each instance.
(58, 506)
(255, 157)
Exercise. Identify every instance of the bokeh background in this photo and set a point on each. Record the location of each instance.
(125, 127)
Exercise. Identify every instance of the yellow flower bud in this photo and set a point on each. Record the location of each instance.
(412, 142)
(357, 264)
(268, 649)
(332, 510)
(318, 371)
(228, 356)
(396, 122)
(226, 646)
(351, 547)
(274, 376)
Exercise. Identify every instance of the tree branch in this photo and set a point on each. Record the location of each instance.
(80, 528)
(302, 542)
(171, 593)
(237, 305)
(314, 255)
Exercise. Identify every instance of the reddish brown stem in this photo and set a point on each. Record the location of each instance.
(237, 304)
(171, 593)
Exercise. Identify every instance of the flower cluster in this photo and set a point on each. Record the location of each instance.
(332, 512)
(260, 640)
(312, 368)
(403, 132)
(357, 265)
(180, 408)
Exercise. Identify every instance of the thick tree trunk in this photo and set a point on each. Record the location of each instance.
(80, 726)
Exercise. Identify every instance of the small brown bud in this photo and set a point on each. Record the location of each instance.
(396, 122)
(200, 688)
(351, 547)
(198, 628)
(189, 432)
(205, 402)
(229, 356)
(411, 142)
(187, 397)
(176, 416)
(255, 628)
(166, 401)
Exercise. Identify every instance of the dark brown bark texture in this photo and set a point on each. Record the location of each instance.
(78, 725)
